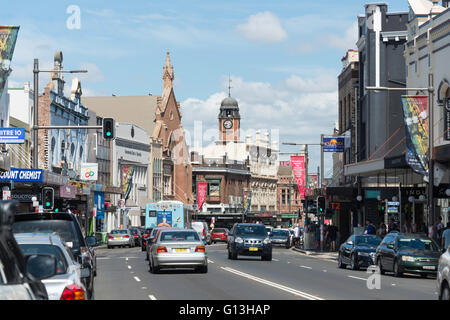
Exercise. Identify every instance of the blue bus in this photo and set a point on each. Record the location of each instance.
(174, 214)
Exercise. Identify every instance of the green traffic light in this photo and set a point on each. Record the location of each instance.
(47, 204)
(108, 134)
(56, 210)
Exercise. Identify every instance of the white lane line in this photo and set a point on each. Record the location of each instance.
(305, 267)
(273, 284)
(325, 271)
(275, 259)
(137, 279)
(129, 267)
(152, 297)
(210, 261)
(357, 278)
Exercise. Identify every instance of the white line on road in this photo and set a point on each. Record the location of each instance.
(137, 279)
(210, 261)
(152, 297)
(273, 284)
(129, 267)
(275, 259)
(357, 278)
(305, 267)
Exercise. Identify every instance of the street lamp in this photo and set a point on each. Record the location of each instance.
(430, 91)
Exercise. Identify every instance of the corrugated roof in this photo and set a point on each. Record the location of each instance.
(139, 110)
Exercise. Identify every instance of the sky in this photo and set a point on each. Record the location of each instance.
(283, 57)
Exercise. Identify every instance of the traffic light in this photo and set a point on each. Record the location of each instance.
(321, 205)
(108, 128)
(48, 198)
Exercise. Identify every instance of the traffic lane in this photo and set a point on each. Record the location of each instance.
(115, 280)
(122, 268)
(322, 277)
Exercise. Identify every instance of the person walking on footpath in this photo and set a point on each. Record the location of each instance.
(370, 229)
(382, 231)
(446, 237)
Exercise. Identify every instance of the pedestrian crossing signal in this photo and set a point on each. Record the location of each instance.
(108, 128)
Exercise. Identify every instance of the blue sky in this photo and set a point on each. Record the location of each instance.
(283, 56)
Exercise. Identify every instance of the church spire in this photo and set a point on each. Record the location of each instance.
(168, 74)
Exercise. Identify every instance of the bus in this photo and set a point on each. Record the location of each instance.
(174, 214)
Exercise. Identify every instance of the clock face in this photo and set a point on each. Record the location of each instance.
(228, 124)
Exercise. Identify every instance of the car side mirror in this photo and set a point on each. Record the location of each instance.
(350, 243)
(41, 266)
(91, 241)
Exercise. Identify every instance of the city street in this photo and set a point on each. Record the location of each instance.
(123, 275)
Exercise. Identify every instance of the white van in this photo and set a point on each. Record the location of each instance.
(202, 229)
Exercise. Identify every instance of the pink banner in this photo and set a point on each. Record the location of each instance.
(298, 166)
(201, 194)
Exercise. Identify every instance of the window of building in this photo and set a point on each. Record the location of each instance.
(213, 188)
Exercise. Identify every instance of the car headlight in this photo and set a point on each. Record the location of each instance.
(238, 240)
(408, 258)
(363, 254)
(266, 240)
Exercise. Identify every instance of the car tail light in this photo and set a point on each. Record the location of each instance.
(110, 237)
(204, 234)
(161, 249)
(146, 235)
(126, 237)
(200, 249)
(73, 292)
(135, 236)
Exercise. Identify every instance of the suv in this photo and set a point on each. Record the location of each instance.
(249, 239)
(19, 275)
(67, 226)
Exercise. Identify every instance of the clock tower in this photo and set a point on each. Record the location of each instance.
(229, 120)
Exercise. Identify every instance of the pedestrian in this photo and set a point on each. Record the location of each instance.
(439, 229)
(392, 225)
(370, 229)
(423, 228)
(406, 227)
(317, 235)
(296, 235)
(381, 232)
(446, 237)
(332, 234)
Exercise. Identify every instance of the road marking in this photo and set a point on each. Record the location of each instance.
(137, 279)
(275, 259)
(325, 271)
(305, 267)
(152, 297)
(210, 261)
(357, 278)
(103, 258)
(129, 267)
(273, 284)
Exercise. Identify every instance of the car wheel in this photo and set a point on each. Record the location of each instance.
(397, 273)
(354, 262)
(340, 264)
(267, 257)
(380, 266)
(202, 269)
(445, 294)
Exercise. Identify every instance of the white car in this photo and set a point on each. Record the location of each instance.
(443, 276)
(66, 284)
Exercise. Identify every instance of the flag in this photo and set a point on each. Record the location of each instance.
(298, 166)
(201, 193)
(8, 37)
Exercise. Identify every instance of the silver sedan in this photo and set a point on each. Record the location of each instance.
(120, 237)
(66, 284)
(178, 248)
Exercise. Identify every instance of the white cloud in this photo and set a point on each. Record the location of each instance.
(263, 27)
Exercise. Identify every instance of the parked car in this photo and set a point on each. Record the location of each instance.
(121, 238)
(67, 226)
(249, 239)
(358, 251)
(20, 276)
(202, 229)
(178, 248)
(411, 253)
(137, 236)
(443, 276)
(66, 284)
(219, 234)
(281, 237)
(145, 237)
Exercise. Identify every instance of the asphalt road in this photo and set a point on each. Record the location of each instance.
(123, 274)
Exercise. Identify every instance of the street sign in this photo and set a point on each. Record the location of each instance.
(12, 135)
(395, 204)
(392, 209)
(22, 175)
(6, 194)
(333, 144)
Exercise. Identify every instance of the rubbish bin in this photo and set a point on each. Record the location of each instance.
(309, 242)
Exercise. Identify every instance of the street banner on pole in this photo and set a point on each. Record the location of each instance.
(8, 37)
(201, 193)
(127, 180)
(298, 166)
(415, 111)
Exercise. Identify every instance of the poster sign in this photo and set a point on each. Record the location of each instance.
(89, 171)
(415, 112)
(201, 194)
(99, 202)
(298, 166)
(8, 37)
(67, 191)
(164, 218)
(12, 135)
(333, 144)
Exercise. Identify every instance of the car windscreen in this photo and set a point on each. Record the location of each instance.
(277, 232)
(47, 249)
(218, 231)
(251, 230)
(168, 236)
(417, 243)
(367, 241)
(134, 231)
(64, 228)
(119, 232)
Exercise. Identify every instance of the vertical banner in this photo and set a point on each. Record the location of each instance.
(415, 111)
(247, 200)
(298, 166)
(8, 37)
(201, 193)
(127, 180)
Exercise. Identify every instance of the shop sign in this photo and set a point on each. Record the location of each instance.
(22, 175)
(68, 192)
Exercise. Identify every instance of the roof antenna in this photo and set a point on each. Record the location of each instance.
(229, 85)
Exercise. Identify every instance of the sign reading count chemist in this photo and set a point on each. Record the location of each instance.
(22, 175)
